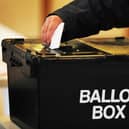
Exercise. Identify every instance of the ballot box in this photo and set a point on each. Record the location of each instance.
(82, 85)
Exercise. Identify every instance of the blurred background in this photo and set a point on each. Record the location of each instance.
(23, 18)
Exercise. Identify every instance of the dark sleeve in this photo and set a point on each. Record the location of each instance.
(86, 17)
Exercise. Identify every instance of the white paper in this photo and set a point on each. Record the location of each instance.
(56, 38)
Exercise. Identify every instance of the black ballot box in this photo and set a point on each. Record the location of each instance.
(82, 85)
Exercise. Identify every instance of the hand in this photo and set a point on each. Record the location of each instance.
(48, 28)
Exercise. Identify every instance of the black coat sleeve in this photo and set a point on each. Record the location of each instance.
(86, 17)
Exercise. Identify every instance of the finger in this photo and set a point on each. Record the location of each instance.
(51, 28)
(53, 24)
(44, 31)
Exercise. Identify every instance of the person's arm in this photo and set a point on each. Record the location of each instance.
(86, 17)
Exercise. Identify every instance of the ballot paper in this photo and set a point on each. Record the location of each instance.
(56, 38)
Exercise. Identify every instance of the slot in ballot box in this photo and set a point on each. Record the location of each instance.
(82, 85)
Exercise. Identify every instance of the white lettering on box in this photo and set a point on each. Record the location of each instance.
(110, 98)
